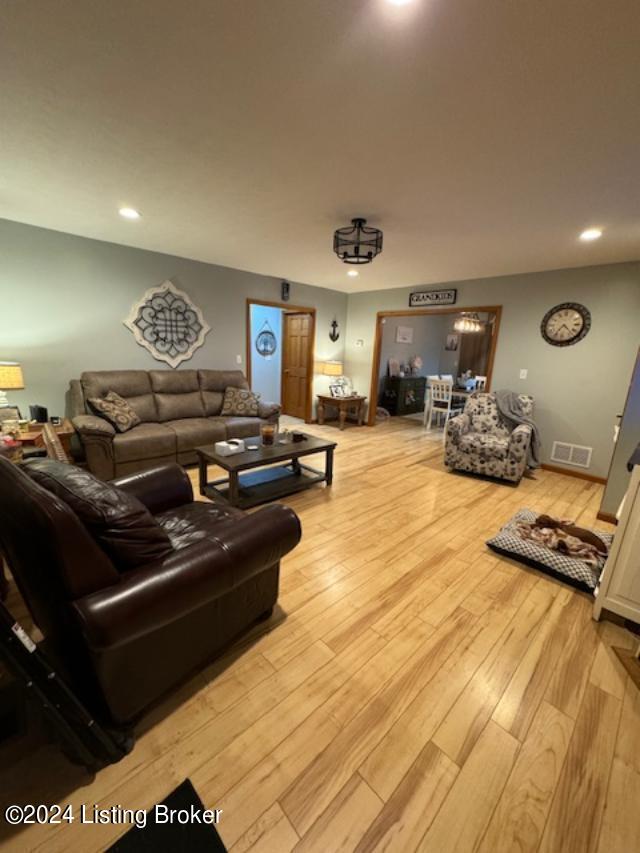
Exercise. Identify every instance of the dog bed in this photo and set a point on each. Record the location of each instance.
(570, 569)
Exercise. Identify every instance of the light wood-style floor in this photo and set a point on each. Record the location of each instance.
(412, 691)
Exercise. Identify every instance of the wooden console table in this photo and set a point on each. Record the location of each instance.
(354, 405)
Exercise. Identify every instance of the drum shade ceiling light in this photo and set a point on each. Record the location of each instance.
(357, 243)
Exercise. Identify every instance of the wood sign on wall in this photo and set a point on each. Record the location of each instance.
(425, 298)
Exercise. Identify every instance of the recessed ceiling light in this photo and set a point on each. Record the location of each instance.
(591, 234)
(129, 213)
(400, 2)
(353, 273)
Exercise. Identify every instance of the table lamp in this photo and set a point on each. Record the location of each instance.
(334, 369)
(11, 379)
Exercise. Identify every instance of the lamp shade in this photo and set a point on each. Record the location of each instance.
(11, 378)
(332, 368)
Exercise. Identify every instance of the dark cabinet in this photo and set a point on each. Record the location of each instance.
(403, 395)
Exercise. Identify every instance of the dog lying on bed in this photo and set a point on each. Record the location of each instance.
(566, 537)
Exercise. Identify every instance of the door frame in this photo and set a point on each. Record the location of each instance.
(423, 312)
(287, 308)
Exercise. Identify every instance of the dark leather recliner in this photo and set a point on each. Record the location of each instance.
(133, 584)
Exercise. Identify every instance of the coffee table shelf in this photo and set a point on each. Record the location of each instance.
(247, 487)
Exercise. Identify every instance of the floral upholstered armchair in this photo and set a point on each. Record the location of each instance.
(482, 441)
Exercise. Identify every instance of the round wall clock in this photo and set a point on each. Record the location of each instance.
(566, 324)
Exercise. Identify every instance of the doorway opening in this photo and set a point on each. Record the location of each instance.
(280, 346)
(414, 346)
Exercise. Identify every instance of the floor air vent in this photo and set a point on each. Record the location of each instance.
(571, 454)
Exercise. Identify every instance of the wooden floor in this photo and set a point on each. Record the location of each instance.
(412, 691)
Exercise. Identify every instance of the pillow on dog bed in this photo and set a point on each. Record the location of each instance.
(576, 572)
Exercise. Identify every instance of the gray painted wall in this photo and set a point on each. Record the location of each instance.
(63, 300)
(579, 389)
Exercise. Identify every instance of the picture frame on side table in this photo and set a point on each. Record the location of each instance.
(338, 391)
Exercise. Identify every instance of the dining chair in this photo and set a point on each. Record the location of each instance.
(431, 377)
(439, 401)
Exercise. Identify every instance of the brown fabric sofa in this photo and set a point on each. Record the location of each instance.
(135, 587)
(179, 410)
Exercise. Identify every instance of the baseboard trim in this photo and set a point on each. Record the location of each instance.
(606, 516)
(581, 475)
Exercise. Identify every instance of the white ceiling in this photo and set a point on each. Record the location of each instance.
(481, 135)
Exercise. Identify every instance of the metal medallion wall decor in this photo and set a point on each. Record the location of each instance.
(167, 323)
(266, 343)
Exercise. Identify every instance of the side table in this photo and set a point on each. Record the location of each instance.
(354, 406)
(33, 436)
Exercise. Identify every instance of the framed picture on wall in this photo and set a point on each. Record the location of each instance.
(404, 334)
(452, 343)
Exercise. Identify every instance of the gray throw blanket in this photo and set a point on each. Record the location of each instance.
(510, 408)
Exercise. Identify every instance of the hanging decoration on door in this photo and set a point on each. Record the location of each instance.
(266, 343)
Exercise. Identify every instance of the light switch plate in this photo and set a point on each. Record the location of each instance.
(523, 372)
(238, 359)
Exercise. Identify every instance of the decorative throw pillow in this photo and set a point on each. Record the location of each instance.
(240, 402)
(119, 522)
(116, 410)
(569, 569)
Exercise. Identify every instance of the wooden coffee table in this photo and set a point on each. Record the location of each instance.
(270, 483)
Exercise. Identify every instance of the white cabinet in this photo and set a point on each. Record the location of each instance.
(620, 582)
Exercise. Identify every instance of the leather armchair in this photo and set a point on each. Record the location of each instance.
(481, 441)
(126, 634)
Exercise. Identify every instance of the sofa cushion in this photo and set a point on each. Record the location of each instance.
(116, 410)
(213, 384)
(133, 385)
(174, 381)
(174, 406)
(187, 524)
(146, 441)
(220, 380)
(212, 402)
(193, 432)
(484, 444)
(243, 427)
(240, 402)
(119, 522)
(177, 394)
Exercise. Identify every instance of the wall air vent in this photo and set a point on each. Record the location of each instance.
(571, 454)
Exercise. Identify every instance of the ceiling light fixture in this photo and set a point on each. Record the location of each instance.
(353, 273)
(591, 234)
(357, 243)
(400, 2)
(468, 323)
(129, 213)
